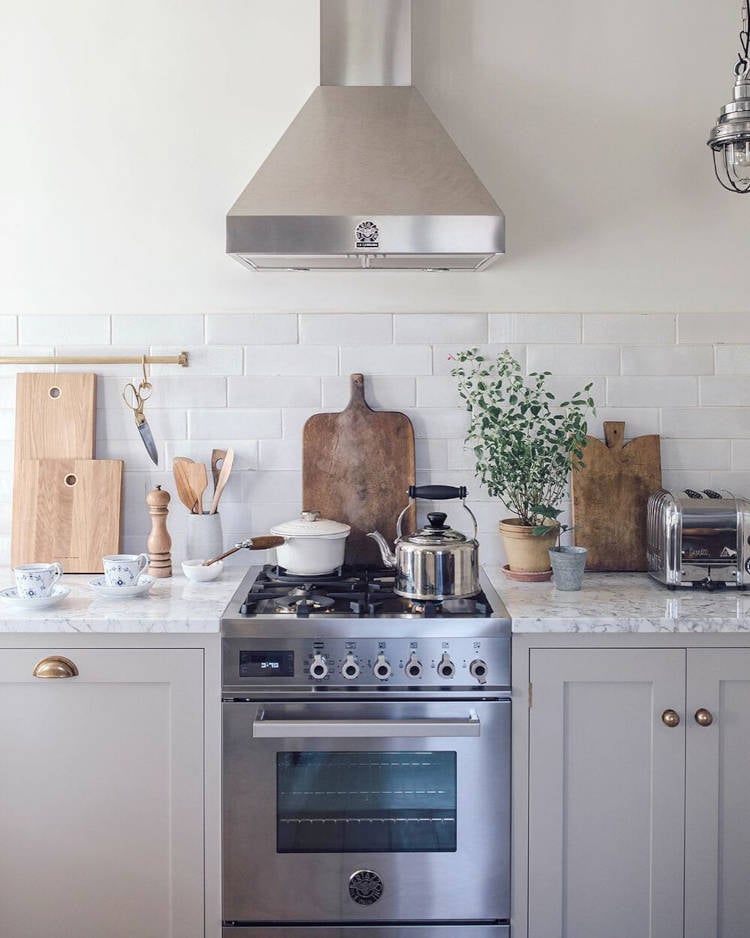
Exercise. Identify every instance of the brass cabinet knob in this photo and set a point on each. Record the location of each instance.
(670, 718)
(704, 717)
(55, 666)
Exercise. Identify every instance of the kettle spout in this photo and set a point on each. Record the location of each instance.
(389, 558)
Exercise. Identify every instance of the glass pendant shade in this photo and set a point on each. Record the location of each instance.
(730, 140)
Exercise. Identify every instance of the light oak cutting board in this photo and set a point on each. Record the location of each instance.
(67, 510)
(356, 467)
(55, 416)
(610, 495)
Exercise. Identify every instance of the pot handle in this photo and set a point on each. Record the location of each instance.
(437, 493)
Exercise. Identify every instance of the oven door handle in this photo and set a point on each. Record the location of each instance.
(387, 729)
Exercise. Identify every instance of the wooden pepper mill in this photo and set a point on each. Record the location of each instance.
(159, 542)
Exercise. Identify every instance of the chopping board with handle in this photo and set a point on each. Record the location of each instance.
(356, 468)
(609, 498)
(67, 510)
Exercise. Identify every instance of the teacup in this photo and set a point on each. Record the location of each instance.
(124, 569)
(35, 580)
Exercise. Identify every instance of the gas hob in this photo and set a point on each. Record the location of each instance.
(349, 631)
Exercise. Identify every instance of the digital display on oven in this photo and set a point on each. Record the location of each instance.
(266, 664)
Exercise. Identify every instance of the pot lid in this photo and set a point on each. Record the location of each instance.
(310, 524)
(436, 533)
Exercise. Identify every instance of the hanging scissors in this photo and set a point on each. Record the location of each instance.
(135, 398)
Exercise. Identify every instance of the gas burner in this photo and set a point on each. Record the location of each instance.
(429, 608)
(302, 602)
(273, 573)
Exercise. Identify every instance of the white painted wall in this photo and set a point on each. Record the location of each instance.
(129, 129)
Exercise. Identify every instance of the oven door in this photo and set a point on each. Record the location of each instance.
(366, 811)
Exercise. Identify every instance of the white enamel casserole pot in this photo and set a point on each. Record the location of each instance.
(312, 545)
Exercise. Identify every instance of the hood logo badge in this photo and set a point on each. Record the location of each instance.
(367, 235)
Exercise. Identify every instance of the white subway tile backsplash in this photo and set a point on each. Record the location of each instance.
(639, 421)
(7, 392)
(439, 423)
(293, 420)
(268, 513)
(8, 330)
(275, 486)
(187, 390)
(665, 391)
(387, 360)
(444, 356)
(711, 328)
(245, 452)
(119, 424)
(64, 330)
(733, 359)
(628, 329)
(706, 423)
(529, 328)
(382, 392)
(671, 360)
(431, 454)
(202, 360)
(7, 424)
(697, 454)
(459, 455)
(280, 454)
(738, 483)
(251, 329)
(590, 360)
(717, 389)
(150, 330)
(438, 391)
(216, 424)
(15, 351)
(740, 455)
(273, 391)
(346, 329)
(420, 329)
(292, 360)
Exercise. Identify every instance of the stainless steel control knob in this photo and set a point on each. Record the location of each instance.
(382, 668)
(350, 668)
(478, 670)
(445, 667)
(413, 667)
(318, 667)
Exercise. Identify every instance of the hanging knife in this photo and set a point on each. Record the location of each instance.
(135, 399)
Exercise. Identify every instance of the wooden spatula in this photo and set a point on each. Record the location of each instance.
(223, 479)
(180, 465)
(198, 479)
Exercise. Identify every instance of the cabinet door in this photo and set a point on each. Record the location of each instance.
(101, 795)
(606, 794)
(717, 836)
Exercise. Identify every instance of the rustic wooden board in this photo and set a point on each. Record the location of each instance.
(610, 495)
(67, 510)
(55, 416)
(356, 467)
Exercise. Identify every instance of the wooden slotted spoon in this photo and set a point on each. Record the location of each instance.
(223, 479)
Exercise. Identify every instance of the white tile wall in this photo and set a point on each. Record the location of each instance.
(255, 378)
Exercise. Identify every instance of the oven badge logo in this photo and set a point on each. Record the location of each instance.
(365, 887)
(367, 235)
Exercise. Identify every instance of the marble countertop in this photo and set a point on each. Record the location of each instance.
(608, 602)
(173, 604)
(620, 602)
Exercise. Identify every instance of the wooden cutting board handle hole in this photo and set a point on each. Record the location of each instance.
(55, 392)
(71, 479)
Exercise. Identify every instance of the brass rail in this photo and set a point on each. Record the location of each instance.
(181, 359)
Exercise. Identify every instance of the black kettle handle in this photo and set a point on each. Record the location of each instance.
(437, 493)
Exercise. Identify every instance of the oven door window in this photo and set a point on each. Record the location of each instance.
(366, 802)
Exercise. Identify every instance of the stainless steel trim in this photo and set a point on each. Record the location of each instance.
(264, 727)
(367, 931)
(365, 43)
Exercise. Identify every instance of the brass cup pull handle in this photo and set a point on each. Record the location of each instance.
(55, 666)
(704, 717)
(670, 718)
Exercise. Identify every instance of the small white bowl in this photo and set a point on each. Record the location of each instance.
(195, 571)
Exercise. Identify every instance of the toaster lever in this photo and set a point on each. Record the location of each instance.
(711, 493)
(691, 493)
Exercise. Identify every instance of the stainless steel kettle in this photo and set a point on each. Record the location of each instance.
(435, 562)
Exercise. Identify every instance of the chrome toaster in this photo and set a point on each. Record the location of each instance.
(698, 539)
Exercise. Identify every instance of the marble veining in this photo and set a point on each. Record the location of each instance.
(173, 604)
(620, 602)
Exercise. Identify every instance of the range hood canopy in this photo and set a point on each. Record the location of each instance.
(365, 177)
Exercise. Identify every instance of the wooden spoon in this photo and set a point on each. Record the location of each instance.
(180, 466)
(198, 479)
(223, 479)
(217, 456)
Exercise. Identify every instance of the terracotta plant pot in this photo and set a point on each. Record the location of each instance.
(526, 552)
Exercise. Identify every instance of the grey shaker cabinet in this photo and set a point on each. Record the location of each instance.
(637, 827)
(101, 794)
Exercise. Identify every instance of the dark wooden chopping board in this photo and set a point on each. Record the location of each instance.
(356, 468)
(609, 498)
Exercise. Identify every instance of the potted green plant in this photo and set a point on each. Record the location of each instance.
(525, 444)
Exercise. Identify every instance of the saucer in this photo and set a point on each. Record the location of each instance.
(10, 596)
(101, 588)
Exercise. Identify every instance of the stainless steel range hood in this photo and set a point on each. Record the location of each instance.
(365, 177)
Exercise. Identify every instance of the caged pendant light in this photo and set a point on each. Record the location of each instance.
(730, 136)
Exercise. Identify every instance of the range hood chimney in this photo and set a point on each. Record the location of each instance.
(365, 177)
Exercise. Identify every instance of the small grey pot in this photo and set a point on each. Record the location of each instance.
(567, 566)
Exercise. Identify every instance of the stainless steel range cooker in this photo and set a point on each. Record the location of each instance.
(366, 760)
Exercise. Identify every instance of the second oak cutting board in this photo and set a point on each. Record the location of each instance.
(609, 498)
(67, 510)
(356, 467)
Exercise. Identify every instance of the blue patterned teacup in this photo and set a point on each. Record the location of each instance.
(36, 580)
(124, 569)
